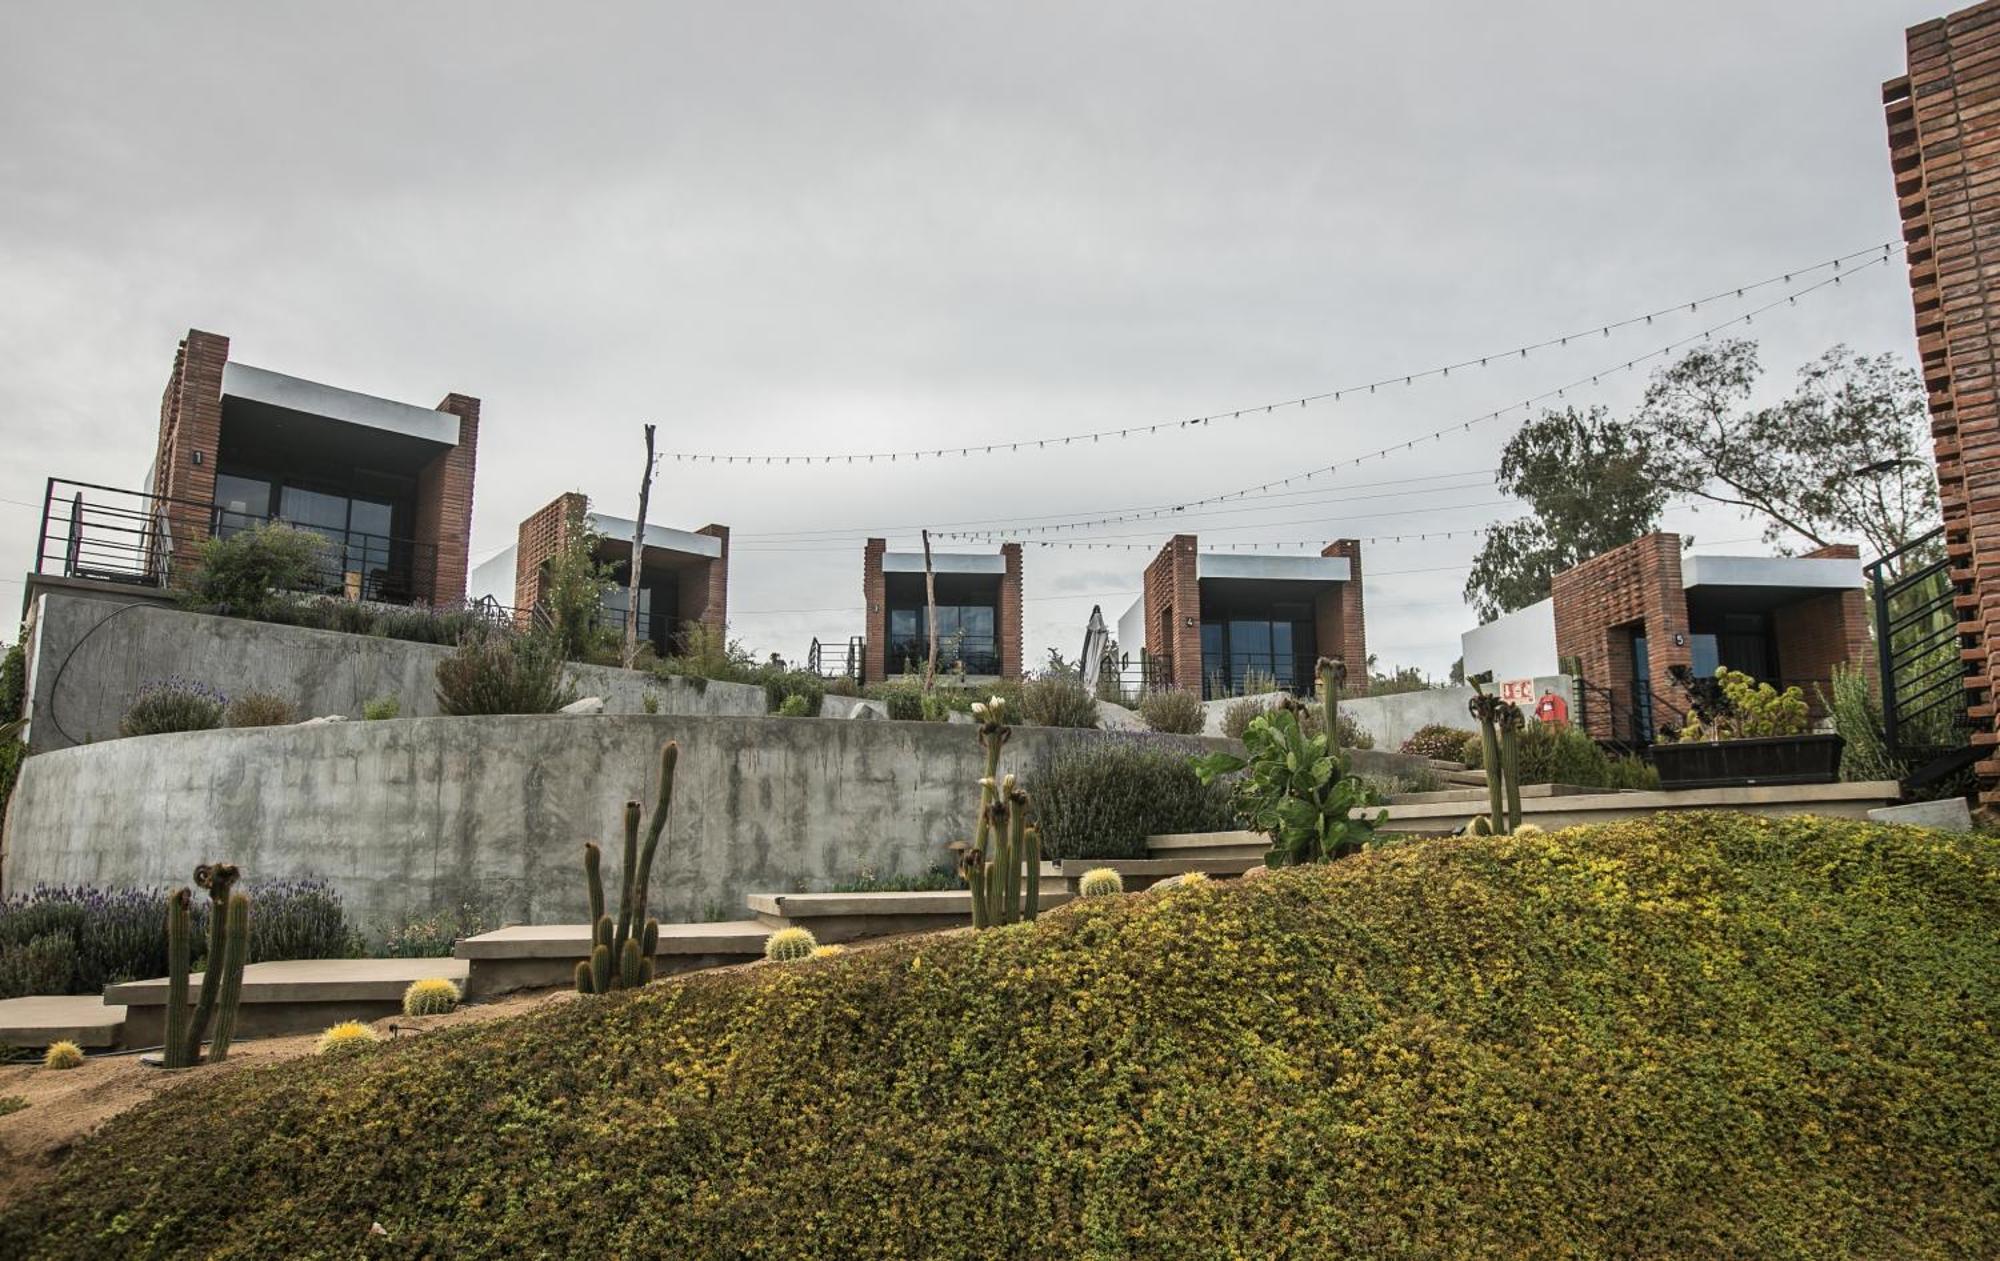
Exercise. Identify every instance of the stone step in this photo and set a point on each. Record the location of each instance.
(1144, 873)
(1440, 764)
(1469, 778)
(1842, 800)
(1250, 846)
(540, 956)
(1477, 796)
(837, 917)
(289, 995)
(38, 1020)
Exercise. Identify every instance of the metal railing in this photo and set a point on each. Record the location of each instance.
(1254, 673)
(978, 654)
(1122, 680)
(1925, 721)
(108, 534)
(837, 660)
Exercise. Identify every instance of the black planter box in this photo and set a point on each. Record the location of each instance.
(1813, 759)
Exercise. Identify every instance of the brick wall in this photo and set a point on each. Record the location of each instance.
(190, 424)
(1601, 604)
(1339, 621)
(537, 541)
(443, 526)
(1816, 634)
(875, 600)
(1944, 152)
(1173, 609)
(1008, 615)
(704, 592)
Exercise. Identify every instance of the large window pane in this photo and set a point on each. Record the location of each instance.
(243, 501)
(977, 621)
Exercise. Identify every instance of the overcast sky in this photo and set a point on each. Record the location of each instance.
(840, 227)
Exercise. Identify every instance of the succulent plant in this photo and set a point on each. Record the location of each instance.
(1500, 724)
(431, 996)
(62, 1055)
(1002, 865)
(345, 1038)
(828, 951)
(1100, 882)
(788, 944)
(621, 952)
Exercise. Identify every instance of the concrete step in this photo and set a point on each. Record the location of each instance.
(290, 995)
(38, 1020)
(836, 917)
(1440, 764)
(1469, 778)
(1144, 873)
(1477, 796)
(1249, 846)
(1843, 801)
(540, 956)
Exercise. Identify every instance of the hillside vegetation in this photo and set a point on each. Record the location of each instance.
(1707, 1037)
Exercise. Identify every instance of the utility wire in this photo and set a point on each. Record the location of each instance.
(1882, 252)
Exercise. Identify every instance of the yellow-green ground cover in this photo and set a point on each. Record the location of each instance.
(1706, 1037)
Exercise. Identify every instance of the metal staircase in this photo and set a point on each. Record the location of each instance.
(1927, 717)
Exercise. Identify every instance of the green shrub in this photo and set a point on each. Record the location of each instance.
(436, 935)
(251, 570)
(1295, 789)
(1436, 740)
(706, 654)
(259, 709)
(1057, 698)
(1174, 711)
(503, 675)
(1692, 1036)
(387, 621)
(13, 682)
(381, 708)
(937, 879)
(13, 752)
(40, 965)
(793, 706)
(841, 685)
(1739, 707)
(793, 693)
(1102, 797)
(10, 1104)
(173, 704)
(1237, 717)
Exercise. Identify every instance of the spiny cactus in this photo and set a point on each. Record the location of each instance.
(1100, 882)
(1500, 726)
(828, 952)
(1529, 829)
(222, 974)
(174, 1053)
(344, 1038)
(235, 951)
(621, 950)
(1187, 879)
(788, 944)
(1332, 673)
(63, 1055)
(431, 996)
(1003, 864)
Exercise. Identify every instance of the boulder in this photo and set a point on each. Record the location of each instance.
(588, 705)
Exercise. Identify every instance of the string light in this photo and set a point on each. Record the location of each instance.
(1880, 253)
(1525, 405)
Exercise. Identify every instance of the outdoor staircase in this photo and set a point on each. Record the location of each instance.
(1458, 773)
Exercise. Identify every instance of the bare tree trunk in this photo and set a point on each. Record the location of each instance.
(638, 556)
(930, 604)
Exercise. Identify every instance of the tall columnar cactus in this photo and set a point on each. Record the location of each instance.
(621, 951)
(218, 879)
(1499, 738)
(1332, 673)
(179, 935)
(235, 950)
(1003, 864)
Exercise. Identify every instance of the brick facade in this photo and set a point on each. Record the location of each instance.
(1944, 150)
(1816, 634)
(1173, 611)
(702, 593)
(189, 444)
(1007, 614)
(1603, 604)
(1338, 618)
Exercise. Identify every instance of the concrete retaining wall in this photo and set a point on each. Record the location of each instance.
(90, 656)
(1395, 718)
(407, 815)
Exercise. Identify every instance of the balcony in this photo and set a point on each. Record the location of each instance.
(131, 538)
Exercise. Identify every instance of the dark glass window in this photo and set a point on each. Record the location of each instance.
(965, 634)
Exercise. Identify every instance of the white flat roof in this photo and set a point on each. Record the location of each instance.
(1828, 573)
(620, 528)
(1281, 568)
(275, 389)
(945, 563)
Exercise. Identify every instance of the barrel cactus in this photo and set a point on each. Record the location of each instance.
(788, 944)
(62, 1055)
(1100, 882)
(432, 996)
(828, 952)
(345, 1038)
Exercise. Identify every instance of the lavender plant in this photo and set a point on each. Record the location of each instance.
(173, 704)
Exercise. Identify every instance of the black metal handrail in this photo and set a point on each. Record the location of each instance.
(110, 534)
(835, 660)
(1922, 672)
(1250, 673)
(979, 654)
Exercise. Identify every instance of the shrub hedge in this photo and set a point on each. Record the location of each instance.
(1102, 798)
(1707, 1036)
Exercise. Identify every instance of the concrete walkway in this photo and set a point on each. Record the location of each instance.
(84, 1019)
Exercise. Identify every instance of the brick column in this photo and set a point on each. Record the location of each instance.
(1340, 621)
(1945, 165)
(1008, 617)
(1820, 632)
(1173, 609)
(715, 596)
(536, 542)
(1600, 606)
(443, 528)
(190, 430)
(875, 605)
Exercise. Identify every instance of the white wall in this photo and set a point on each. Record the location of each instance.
(1517, 645)
(494, 577)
